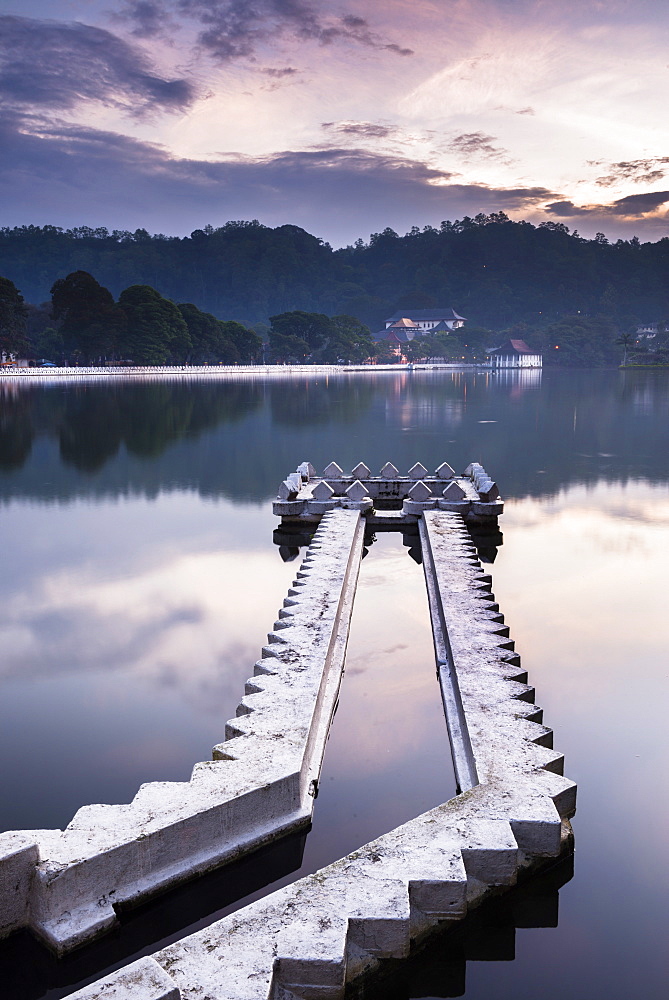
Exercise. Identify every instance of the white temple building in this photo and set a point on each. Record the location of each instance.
(514, 354)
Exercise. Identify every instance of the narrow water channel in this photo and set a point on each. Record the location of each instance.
(387, 760)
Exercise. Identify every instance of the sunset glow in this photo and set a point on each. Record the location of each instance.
(171, 114)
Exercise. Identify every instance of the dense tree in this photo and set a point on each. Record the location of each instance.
(90, 322)
(12, 319)
(348, 340)
(385, 353)
(581, 341)
(247, 342)
(299, 335)
(625, 340)
(209, 341)
(156, 332)
(496, 272)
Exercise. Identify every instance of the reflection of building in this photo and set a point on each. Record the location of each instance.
(514, 354)
(518, 378)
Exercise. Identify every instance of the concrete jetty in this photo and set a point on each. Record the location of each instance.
(65, 885)
(314, 937)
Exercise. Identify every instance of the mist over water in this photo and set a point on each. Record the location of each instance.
(140, 578)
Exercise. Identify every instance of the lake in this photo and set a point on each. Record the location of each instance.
(140, 577)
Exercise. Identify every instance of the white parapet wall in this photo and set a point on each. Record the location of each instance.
(65, 884)
(310, 939)
(183, 371)
(303, 495)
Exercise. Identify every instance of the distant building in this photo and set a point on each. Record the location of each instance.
(401, 329)
(647, 331)
(429, 320)
(514, 354)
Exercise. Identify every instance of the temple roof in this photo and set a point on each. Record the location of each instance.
(513, 347)
(403, 322)
(427, 315)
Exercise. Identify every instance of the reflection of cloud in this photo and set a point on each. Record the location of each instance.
(578, 578)
(181, 624)
(637, 500)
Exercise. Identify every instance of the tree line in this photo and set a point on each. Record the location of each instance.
(570, 297)
(83, 324)
(494, 271)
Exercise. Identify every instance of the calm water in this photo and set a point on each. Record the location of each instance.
(140, 577)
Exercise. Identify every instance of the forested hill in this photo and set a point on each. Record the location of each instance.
(493, 271)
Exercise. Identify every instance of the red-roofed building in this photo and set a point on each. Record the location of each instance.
(514, 354)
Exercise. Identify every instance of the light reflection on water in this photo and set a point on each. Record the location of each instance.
(140, 578)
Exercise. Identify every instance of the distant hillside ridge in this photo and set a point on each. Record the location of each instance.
(494, 271)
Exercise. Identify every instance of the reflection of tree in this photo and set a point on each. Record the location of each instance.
(16, 429)
(326, 401)
(573, 427)
(91, 422)
(153, 419)
(90, 431)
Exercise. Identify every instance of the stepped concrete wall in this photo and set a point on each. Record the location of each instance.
(65, 884)
(310, 939)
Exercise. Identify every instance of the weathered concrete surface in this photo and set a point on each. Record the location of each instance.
(64, 885)
(309, 939)
(143, 980)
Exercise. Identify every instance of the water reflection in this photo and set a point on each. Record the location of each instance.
(236, 439)
(137, 590)
(387, 760)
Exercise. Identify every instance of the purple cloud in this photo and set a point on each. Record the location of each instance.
(363, 130)
(233, 29)
(644, 171)
(54, 65)
(472, 144)
(70, 175)
(633, 206)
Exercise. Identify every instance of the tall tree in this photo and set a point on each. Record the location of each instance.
(348, 340)
(249, 345)
(12, 320)
(297, 334)
(156, 332)
(209, 338)
(625, 340)
(91, 323)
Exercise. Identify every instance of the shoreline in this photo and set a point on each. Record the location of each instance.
(257, 370)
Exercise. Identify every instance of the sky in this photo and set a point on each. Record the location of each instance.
(342, 118)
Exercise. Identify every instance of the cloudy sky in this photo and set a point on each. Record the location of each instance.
(341, 117)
